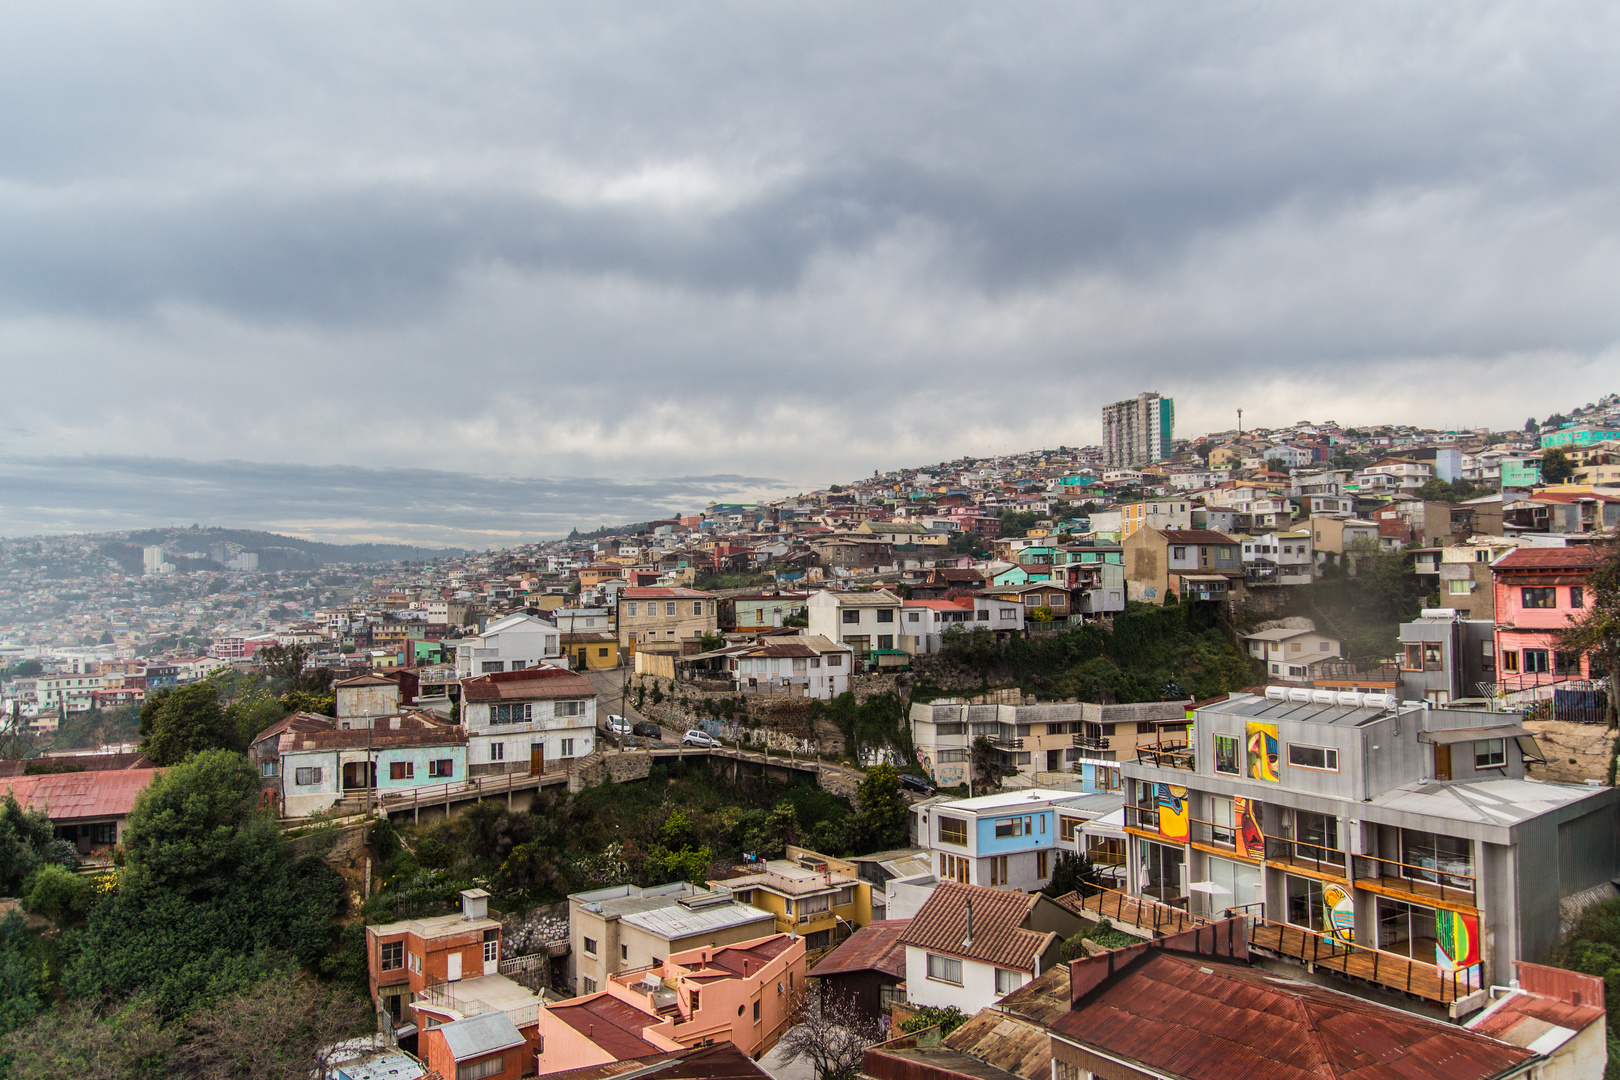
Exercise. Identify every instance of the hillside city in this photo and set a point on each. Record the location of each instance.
(1066, 763)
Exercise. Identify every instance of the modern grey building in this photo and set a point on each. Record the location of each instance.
(1445, 657)
(1138, 430)
(1398, 843)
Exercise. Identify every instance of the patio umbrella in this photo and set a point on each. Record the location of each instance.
(1209, 887)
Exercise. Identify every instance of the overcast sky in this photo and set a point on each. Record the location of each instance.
(766, 247)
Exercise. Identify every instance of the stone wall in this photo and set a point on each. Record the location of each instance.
(629, 765)
(1575, 753)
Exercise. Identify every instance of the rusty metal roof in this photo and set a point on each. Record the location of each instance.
(1205, 1018)
(527, 685)
(1007, 1042)
(998, 937)
(722, 1061)
(77, 796)
(1577, 556)
(615, 1026)
(875, 947)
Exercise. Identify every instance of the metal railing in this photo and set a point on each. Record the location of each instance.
(1001, 743)
(1442, 884)
(1145, 818)
(1320, 949)
(1207, 832)
(1146, 913)
(1167, 756)
(1091, 742)
(1319, 856)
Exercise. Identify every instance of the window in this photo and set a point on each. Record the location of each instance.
(1510, 660)
(1535, 662)
(268, 768)
(402, 770)
(1227, 757)
(851, 616)
(632, 606)
(1490, 753)
(1566, 663)
(756, 1008)
(697, 607)
(845, 897)
(998, 870)
(489, 666)
(913, 616)
(391, 957)
(497, 751)
(1221, 826)
(510, 714)
(1007, 981)
(1577, 596)
(413, 962)
(306, 777)
(478, 1070)
(1412, 657)
(1067, 827)
(1313, 757)
(602, 651)
(982, 615)
(953, 868)
(1009, 613)
(590, 947)
(492, 946)
(1459, 586)
(885, 615)
(442, 767)
(569, 708)
(1009, 827)
(835, 660)
(953, 831)
(587, 986)
(1178, 553)
(885, 641)
(567, 748)
(1304, 902)
(1041, 864)
(669, 607)
(945, 969)
(1530, 597)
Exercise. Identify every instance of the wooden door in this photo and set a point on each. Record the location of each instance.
(1442, 762)
(537, 758)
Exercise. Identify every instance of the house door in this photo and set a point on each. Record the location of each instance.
(537, 758)
(1442, 762)
(453, 967)
(1054, 761)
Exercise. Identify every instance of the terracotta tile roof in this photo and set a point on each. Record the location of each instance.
(530, 684)
(1578, 556)
(754, 956)
(875, 947)
(298, 721)
(76, 796)
(1206, 1018)
(999, 936)
(613, 1025)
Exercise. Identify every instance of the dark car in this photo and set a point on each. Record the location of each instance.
(647, 728)
(916, 783)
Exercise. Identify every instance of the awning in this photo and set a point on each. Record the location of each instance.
(1458, 735)
(1203, 577)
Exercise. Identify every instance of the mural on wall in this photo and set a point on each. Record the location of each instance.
(1251, 843)
(1263, 752)
(1456, 940)
(1175, 813)
(1338, 914)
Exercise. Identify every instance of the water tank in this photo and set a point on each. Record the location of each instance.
(1276, 693)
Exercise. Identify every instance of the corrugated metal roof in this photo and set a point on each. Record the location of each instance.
(530, 684)
(876, 947)
(613, 1025)
(478, 1036)
(1578, 556)
(676, 921)
(76, 796)
(1208, 1019)
(722, 1061)
(998, 937)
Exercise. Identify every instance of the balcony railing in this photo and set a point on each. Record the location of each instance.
(1423, 882)
(1091, 742)
(1323, 951)
(1207, 832)
(1319, 856)
(1167, 756)
(1002, 743)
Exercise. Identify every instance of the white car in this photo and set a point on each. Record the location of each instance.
(699, 738)
(618, 726)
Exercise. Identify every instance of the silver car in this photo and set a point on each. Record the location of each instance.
(699, 738)
(618, 726)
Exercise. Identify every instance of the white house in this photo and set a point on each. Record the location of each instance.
(969, 946)
(1289, 653)
(1006, 841)
(510, 643)
(924, 623)
(863, 621)
(1279, 558)
(522, 721)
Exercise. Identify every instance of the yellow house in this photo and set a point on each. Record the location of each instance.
(1225, 457)
(591, 651)
(821, 899)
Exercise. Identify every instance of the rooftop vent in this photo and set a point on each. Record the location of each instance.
(474, 904)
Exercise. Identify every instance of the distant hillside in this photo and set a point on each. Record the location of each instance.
(276, 552)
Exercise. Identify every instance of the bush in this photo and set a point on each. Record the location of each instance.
(58, 894)
(947, 1018)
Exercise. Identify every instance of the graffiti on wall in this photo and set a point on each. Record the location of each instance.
(1175, 813)
(1262, 744)
(1251, 843)
(1339, 914)
(1456, 940)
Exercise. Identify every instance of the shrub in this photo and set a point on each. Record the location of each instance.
(58, 894)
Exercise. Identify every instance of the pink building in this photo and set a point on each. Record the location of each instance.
(1538, 591)
(742, 994)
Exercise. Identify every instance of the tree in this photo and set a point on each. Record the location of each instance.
(24, 988)
(965, 542)
(281, 1029)
(945, 1017)
(78, 1040)
(1073, 874)
(985, 760)
(58, 894)
(1531, 427)
(1556, 468)
(210, 899)
(883, 809)
(186, 720)
(828, 1031)
(1595, 633)
(27, 842)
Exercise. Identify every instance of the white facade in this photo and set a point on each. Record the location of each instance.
(561, 728)
(862, 621)
(509, 644)
(977, 990)
(924, 623)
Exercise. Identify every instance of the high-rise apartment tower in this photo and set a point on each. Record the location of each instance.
(1138, 430)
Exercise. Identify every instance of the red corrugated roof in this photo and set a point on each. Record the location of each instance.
(1209, 1019)
(76, 796)
(610, 1023)
(1580, 555)
(526, 685)
(876, 947)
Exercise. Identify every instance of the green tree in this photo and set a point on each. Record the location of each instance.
(126, 1042)
(883, 809)
(1018, 522)
(282, 1029)
(1531, 427)
(24, 988)
(27, 842)
(1595, 633)
(1594, 949)
(985, 761)
(1556, 467)
(965, 542)
(1073, 874)
(210, 899)
(58, 894)
(185, 720)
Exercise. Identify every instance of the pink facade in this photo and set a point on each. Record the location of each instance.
(1537, 592)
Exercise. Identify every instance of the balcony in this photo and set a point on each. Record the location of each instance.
(1003, 743)
(1392, 970)
(1316, 856)
(1448, 885)
(1091, 742)
(1167, 756)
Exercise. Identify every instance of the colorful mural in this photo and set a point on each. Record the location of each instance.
(1251, 843)
(1339, 914)
(1263, 752)
(1175, 811)
(1456, 944)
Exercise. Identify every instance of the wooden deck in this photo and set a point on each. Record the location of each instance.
(1371, 965)
(1135, 911)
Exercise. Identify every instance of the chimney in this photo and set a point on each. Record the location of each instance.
(968, 940)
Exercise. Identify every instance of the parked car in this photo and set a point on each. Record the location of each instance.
(917, 783)
(646, 728)
(699, 738)
(618, 726)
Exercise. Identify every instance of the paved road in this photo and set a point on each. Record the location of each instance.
(609, 684)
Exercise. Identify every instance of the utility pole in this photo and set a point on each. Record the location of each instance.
(1240, 423)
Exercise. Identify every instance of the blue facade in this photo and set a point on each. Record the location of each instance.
(1041, 833)
(416, 760)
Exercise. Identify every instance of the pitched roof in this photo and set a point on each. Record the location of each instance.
(1193, 536)
(661, 593)
(73, 796)
(1206, 1018)
(998, 937)
(875, 947)
(405, 729)
(722, 1061)
(298, 721)
(1540, 558)
(529, 684)
(478, 1036)
(613, 1025)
